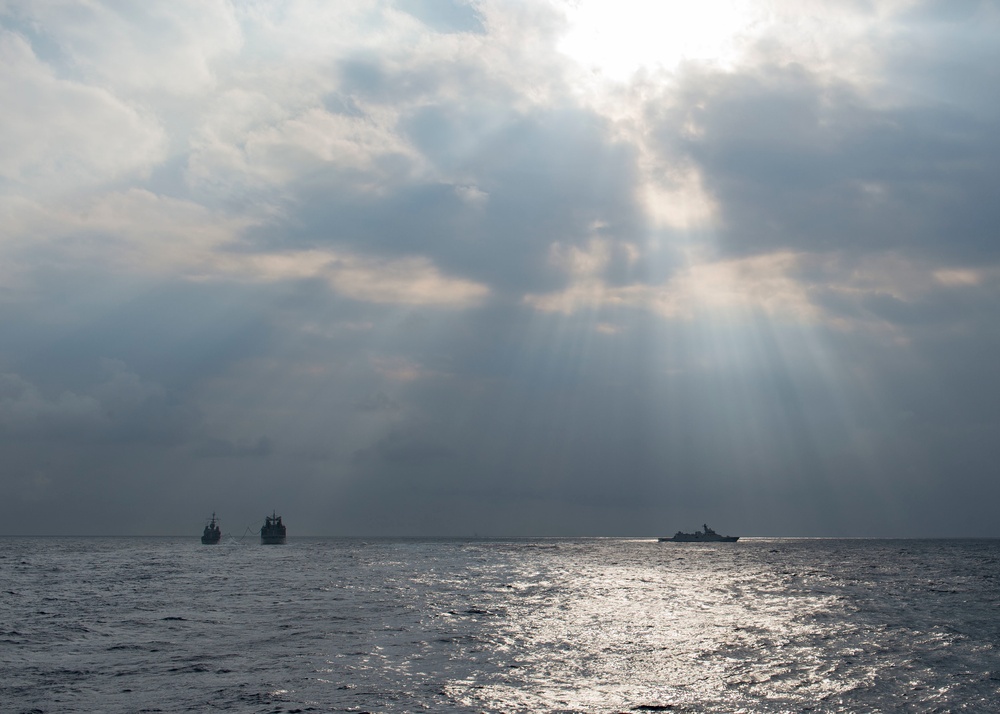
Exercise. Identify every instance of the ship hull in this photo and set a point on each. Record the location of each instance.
(693, 539)
(272, 539)
(210, 540)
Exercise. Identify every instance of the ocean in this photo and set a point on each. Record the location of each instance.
(546, 625)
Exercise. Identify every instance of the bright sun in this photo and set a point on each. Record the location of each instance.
(618, 37)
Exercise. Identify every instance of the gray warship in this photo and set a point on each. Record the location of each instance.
(212, 533)
(704, 536)
(273, 531)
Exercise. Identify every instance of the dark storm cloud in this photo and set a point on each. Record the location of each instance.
(409, 449)
(122, 407)
(213, 448)
(170, 334)
(527, 181)
(797, 161)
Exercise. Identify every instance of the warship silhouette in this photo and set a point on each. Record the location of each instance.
(273, 531)
(212, 533)
(703, 536)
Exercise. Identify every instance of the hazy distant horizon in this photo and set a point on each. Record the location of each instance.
(252, 538)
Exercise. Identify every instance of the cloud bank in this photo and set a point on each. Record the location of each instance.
(447, 268)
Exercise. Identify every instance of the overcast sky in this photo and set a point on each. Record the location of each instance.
(518, 267)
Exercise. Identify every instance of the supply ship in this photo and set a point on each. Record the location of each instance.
(273, 531)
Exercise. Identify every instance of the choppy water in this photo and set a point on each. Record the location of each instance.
(595, 625)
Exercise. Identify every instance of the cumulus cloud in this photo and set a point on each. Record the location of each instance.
(133, 48)
(62, 135)
(233, 151)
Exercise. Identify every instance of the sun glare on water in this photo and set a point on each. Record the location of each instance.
(618, 37)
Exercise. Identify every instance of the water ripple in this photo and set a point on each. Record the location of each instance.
(597, 626)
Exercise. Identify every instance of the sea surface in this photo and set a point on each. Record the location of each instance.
(582, 625)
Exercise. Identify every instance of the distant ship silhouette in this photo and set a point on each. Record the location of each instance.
(212, 533)
(705, 536)
(273, 531)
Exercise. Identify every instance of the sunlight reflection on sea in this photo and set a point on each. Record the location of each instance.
(589, 625)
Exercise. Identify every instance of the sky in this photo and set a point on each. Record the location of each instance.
(500, 268)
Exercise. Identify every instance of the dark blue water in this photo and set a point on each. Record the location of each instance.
(593, 625)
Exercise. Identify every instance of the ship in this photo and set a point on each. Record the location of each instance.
(273, 531)
(704, 536)
(212, 533)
